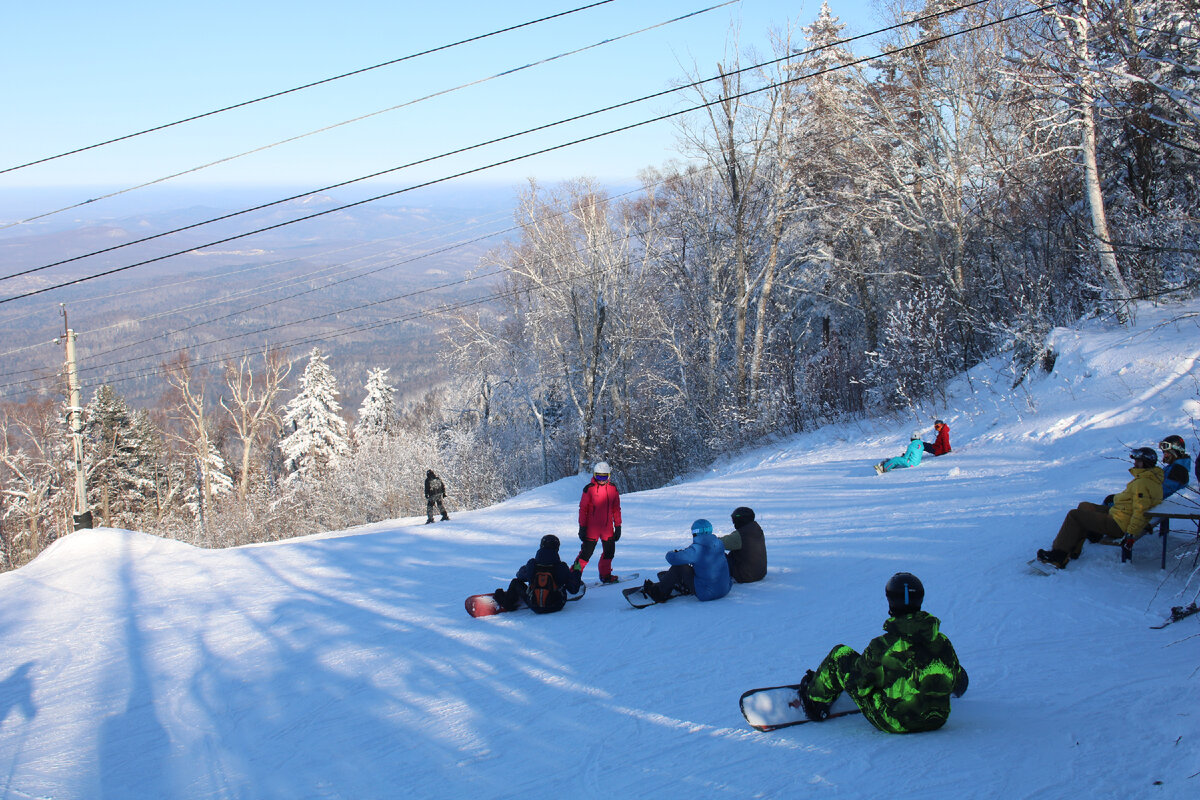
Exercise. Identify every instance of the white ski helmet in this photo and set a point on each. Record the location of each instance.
(601, 468)
(914, 435)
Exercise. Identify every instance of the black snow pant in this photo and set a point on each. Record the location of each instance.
(435, 500)
(679, 579)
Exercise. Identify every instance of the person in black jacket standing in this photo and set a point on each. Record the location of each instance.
(747, 548)
(435, 492)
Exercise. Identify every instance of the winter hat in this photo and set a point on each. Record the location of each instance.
(701, 526)
(549, 541)
(741, 515)
(939, 422)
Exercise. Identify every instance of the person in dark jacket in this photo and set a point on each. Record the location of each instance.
(903, 681)
(1176, 464)
(941, 445)
(700, 569)
(544, 581)
(435, 493)
(747, 548)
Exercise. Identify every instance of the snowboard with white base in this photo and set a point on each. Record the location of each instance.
(774, 707)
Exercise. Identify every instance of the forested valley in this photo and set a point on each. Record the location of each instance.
(839, 237)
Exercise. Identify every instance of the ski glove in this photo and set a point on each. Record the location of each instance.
(616, 533)
(960, 685)
(583, 533)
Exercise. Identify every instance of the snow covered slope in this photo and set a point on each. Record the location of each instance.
(343, 665)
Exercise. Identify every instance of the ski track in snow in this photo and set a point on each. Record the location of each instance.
(342, 665)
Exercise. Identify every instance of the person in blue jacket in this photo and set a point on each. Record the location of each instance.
(1177, 464)
(911, 457)
(700, 569)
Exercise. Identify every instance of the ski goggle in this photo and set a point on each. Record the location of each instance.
(1171, 446)
(601, 477)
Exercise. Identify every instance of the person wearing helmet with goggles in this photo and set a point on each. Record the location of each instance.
(699, 569)
(599, 521)
(1124, 522)
(1177, 464)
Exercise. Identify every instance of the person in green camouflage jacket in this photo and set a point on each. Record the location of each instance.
(903, 681)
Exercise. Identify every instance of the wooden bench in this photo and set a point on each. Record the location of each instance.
(1184, 504)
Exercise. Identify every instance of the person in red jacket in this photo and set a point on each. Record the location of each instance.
(941, 445)
(599, 520)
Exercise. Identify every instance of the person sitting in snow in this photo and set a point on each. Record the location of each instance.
(1124, 521)
(543, 583)
(700, 569)
(747, 547)
(911, 457)
(903, 681)
(1178, 464)
(941, 445)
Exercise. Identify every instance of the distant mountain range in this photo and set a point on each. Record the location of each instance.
(344, 262)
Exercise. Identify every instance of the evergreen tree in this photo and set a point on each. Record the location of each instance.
(121, 451)
(316, 436)
(376, 414)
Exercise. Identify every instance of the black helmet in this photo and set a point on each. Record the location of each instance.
(1173, 442)
(550, 541)
(904, 594)
(1145, 454)
(741, 515)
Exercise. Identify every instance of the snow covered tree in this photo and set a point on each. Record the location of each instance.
(316, 436)
(376, 414)
(121, 450)
(251, 407)
(213, 479)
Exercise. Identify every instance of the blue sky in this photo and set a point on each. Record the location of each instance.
(78, 73)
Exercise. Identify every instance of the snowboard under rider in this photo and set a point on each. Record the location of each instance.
(903, 681)
(747, 547)
(940, 445)
(699, 569)
(1177, 464)
(435, 493)
(543, 582)
(599, 520)
(1124, 521)
(911, 458)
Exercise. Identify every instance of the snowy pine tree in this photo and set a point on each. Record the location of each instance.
(121, 450)
(375, 415)
(316, 436)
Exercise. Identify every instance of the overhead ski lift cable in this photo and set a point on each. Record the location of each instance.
(160, 287)
(258, 290)
(336, 125)
(749, 92)
(321, 82)
(631, 126)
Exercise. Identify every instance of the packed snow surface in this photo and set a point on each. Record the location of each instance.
(344, 666)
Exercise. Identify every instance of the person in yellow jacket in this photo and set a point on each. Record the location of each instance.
(1125, 521)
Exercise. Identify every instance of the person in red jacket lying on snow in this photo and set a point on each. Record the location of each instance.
(941, 445)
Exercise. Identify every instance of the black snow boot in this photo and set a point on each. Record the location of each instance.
(1055, 558)
(812, 709)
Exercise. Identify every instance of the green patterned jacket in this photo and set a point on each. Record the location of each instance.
(904, 679)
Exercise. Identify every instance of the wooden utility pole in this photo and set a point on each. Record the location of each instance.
(82, 516)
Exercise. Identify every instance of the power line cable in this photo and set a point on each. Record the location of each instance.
(923, 43)
(273, 95)
(891, 52)
(336, 125)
